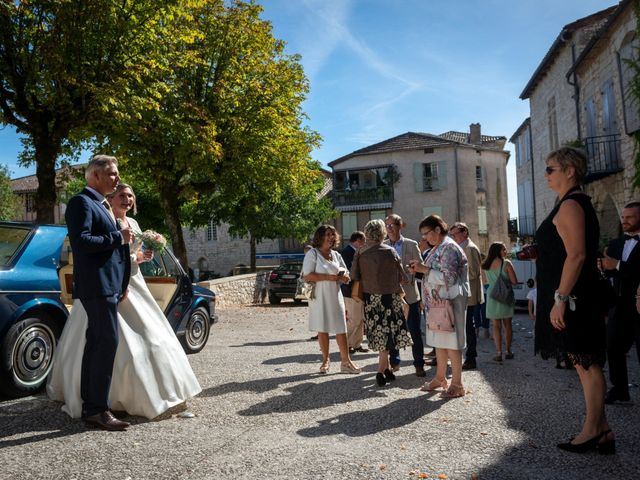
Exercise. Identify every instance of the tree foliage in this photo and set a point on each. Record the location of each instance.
(8, 203)
(64, 63)
(226, 139)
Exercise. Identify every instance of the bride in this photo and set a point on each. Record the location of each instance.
(151, 372)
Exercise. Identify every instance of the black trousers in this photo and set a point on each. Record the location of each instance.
(99, 353)
(623, 328)
(470, 328)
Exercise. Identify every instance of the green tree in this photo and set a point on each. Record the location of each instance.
(227, 136)
(65, 63)
(294, 213)
(8, 203)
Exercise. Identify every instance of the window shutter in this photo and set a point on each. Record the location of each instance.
(482, 220)
(630, 104)
(441, 184)
(418, 173)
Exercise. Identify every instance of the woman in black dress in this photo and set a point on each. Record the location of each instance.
(569, 317)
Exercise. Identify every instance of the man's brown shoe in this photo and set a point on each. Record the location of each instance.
(106, 421)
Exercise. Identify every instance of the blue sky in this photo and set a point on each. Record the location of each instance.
(379, 68)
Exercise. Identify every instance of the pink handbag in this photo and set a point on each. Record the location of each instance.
(440, 316)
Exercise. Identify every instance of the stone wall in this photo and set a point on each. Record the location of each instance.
(239, 289)
(223, 251)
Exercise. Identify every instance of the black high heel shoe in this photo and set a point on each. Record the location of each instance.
(380, 380)
(388, 375)
(607, 447)
(591, 444)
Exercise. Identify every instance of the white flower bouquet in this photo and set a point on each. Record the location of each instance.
(153, 241)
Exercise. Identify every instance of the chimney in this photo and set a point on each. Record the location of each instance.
(474, 134)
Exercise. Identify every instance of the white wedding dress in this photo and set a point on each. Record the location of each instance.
(151, 372)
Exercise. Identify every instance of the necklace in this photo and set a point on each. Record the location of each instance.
(326, 255)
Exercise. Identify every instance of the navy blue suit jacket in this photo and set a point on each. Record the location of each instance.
(347, 253)
(101, 265)
(627, 278)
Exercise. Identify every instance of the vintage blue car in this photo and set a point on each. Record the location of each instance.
(36, 266)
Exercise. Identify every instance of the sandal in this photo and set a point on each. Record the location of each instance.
(508, 356)
(434, 385)
(498, 357)
(324, 368)
(454, 391)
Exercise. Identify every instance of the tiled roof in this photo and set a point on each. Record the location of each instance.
(419, 141)
(463, 137)
(406, 141)
(29, 184)
(602, 29)
(595, 20)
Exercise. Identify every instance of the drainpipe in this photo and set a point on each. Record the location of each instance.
(573, 81)
(455, 167)
(533, 178)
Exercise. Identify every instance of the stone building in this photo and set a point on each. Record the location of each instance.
(24, 188)
(458, 175)
(580, 95)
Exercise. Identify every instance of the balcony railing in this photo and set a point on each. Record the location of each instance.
(603, 156)
(364, 196)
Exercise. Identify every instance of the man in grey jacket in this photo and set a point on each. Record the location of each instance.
(460, 233)
(407, 250)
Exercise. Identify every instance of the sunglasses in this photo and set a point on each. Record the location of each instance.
(425, 234)
(391, 225)
(550, 170)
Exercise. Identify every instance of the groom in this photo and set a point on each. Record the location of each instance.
(100, 278)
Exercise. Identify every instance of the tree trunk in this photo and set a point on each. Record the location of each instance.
(252, 243)
(171, 209)
(46, 154)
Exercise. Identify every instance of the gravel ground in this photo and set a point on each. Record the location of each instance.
(265, 413)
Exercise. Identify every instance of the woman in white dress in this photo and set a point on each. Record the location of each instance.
(151, 372)
(326, 268)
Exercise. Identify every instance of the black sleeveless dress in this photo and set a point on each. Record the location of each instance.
(584, 338)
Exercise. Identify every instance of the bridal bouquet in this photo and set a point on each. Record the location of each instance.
(153, 240)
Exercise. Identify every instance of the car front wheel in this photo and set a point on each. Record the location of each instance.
(197, 331)
(26, 355)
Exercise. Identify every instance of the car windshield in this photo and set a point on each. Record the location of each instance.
(10, 240)
(290, 267)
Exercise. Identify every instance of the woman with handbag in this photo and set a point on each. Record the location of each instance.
(500, 299)
(445, 276)
(377, 274)
(325, 268)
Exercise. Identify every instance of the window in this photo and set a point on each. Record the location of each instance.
(479, 177)
(526, 223)
(553, 124)
(29, 203)
(377, 215)
(349, 223)
(519, 157)
(526, 148)
(426, 211)
(628, 51)
(212, 231)
(430, 176)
